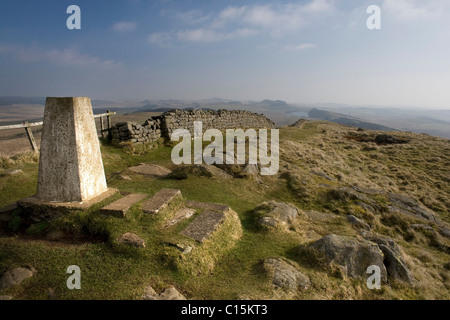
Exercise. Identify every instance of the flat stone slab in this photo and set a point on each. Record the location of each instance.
(120, 207)
(204, 225)
(41, 210)
(160, 200)
(207, 206)
(150, 170)
(182, 214)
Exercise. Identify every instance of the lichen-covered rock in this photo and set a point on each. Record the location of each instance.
(15, 276)
(272, 214)
(170, 293)
(352, 255)
(285, 275)
(132, 240)
(150, 294)
(393, 259)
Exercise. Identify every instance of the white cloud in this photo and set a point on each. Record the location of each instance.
(161, 39)
(192, 17)
(227, 15)
(210, 35)
(411, 10)
(301, 47)
(244, 21)
(65, 57)
(319, 6)
(124, 26)
(280, 19)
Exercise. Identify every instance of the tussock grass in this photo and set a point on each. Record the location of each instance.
(15, 160)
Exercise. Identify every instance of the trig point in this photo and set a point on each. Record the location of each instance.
(71, 174)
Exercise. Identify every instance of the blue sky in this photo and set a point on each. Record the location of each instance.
(308, 51)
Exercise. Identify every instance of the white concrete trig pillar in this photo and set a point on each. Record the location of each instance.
(70, 163)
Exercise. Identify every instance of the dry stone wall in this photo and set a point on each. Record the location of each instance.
(165, 124)
(150, 131)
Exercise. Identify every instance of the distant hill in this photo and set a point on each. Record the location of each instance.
(275, 106)
(8, 101)
(346, 120)
(11, 100)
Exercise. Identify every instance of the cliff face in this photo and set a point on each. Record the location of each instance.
(165, 124)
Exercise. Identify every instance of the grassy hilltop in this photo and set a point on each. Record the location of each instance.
(328, 171)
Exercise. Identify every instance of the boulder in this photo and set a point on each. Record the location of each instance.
(15, 276)
(150, 294)
(250, 170)
(353, 256)
(132, 240)
(285, 275)
(273, 214)
(170, 293)
(393, 258)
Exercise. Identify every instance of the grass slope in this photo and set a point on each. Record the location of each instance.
(315, 160)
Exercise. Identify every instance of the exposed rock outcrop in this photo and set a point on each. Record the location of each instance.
(274, 214)
(285, 275)
(15, 276)
(351, 255)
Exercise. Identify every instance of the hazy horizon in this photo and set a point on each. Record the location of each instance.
(301, 52)
(325, 105)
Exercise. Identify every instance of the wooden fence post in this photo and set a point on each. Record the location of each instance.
(108, 118)
(102, 128)
(30, 136)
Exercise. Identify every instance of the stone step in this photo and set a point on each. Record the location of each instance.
(182, 214)
(160, 200)
(120, 207)
(207, 206)
(204, 225)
